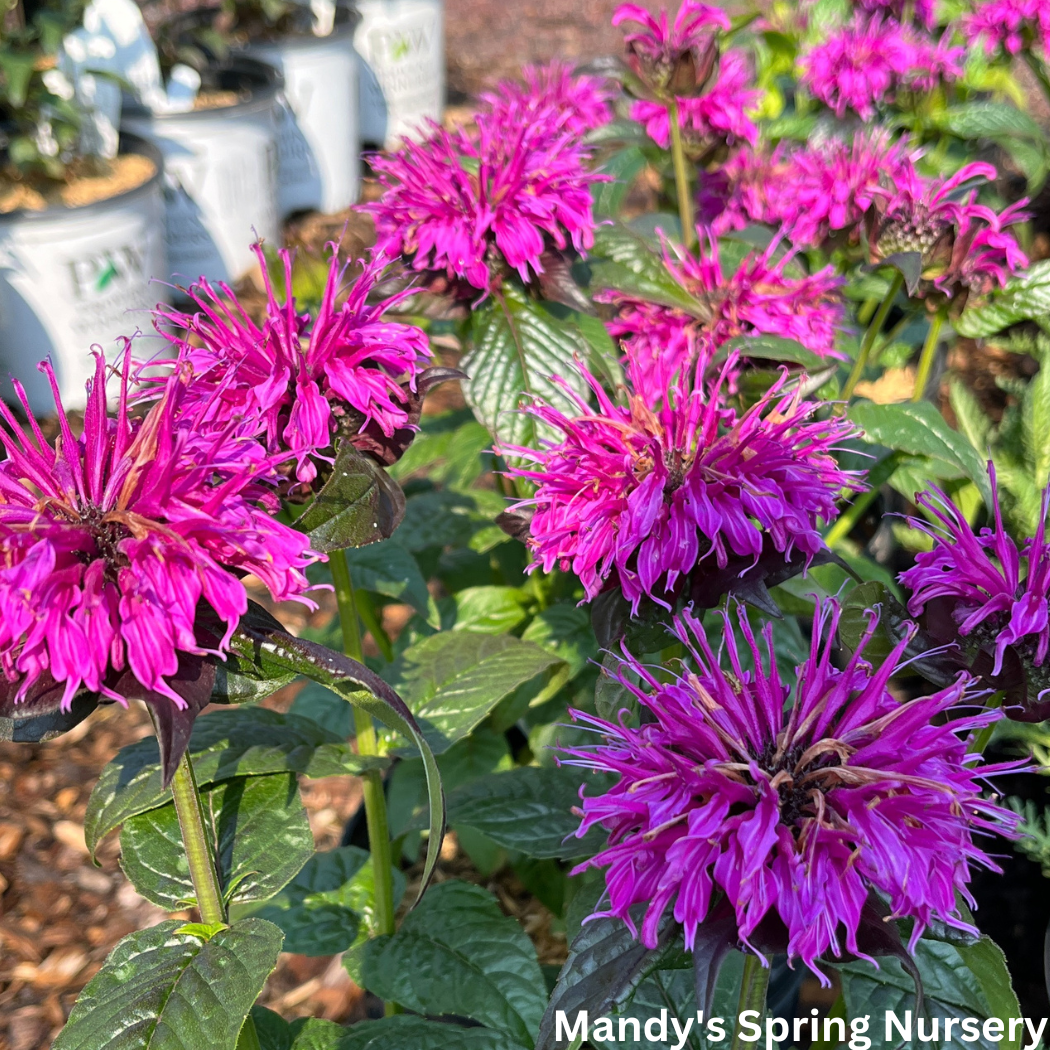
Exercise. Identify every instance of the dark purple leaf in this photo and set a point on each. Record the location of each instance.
(558, 285)
(715, 939)
(516, 523)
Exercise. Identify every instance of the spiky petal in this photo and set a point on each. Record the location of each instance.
(109, 541)
(789, 804)
(1009, 25)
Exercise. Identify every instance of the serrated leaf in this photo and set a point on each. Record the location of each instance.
(986, 120)
(318, 913)
(1024, 298)
(246, 741)
(452, 680)
(529, 809)
(458, 954)
(163, 990)
(490, 610)
(773, 348)
(516, 349)
(417, 1033)
(622, 261)
(919, 429)
(359, 504)
(261, 833)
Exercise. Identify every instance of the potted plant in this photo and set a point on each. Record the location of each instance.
(80, 212)
(312, 47)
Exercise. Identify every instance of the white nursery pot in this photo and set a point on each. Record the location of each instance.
(402, 45)
(220, 183)
(76, 278)
(319, 143)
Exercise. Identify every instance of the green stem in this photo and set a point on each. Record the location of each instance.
(197, 843)
(929, 352)
(681, 178)
(871, 335)
(367, 744)
(1035, 64)
(370, 620)
(985, 735)
(879, 474)
(753, 987)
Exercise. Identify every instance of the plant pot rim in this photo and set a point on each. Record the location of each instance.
(347, 19)
(129, 144)
(270, 82)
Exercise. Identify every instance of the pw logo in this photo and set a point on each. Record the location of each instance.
(94, 274)
(399, 44)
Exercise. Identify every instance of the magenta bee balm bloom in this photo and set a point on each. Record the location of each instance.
(865, 64)
(639, 493)
(109, 542)
(997, 590)
(580, 103)
(1009, 25)
(785, 808)
(470, 207)
(306, 379)
(758, 299)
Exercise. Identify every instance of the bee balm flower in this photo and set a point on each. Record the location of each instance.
(783, 807)
(109, 542)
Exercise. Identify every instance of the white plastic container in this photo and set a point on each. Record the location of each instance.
(402, 44)
(220, 184)
(319, 143)
(74, 278)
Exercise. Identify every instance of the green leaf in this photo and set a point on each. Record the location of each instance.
(1035, 424)
(919, 429)
(163, 990)
(1024, 298)
(458, 954)
(261, 834)
(516, 349)
(622, 261)
(359, 504)
(445, 518)
(958, 981)
(623, 167)
(986, 120)
(327, 709)
(773, 348)
(417, 1033)
(387, 568)
(318, 913)
(452, 680)
(490, 610)
(564, 630)
(529, 809)
(244, 741)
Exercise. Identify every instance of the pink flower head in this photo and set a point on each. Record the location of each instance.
(997, 590)
(302, 378)
(580, 103)
(760, 298)
(717, 116)
(109, 542)
(637, 495)
(817, 191)
(865, 64)
(677, 59)
(460, 204)
(964, 245)
(788, 810)
(1009, 25)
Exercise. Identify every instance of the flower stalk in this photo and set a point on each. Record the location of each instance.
(197, 843)
(753, 988)
(926, 358)
(367, 744)
(870, 336)
(681, 177)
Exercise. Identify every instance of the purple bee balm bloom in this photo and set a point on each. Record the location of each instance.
(638, 493)
(866, 63)
(1009, 25)
(459, 203)
(814, 192)
(304, 379)
(580, 103)
(679, 58)
(965, 246)
(998, 591)
(110, 541)
(760, 298)
(790, 817)
(717, 116)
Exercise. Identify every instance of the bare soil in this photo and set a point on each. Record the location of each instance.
(126, 172)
